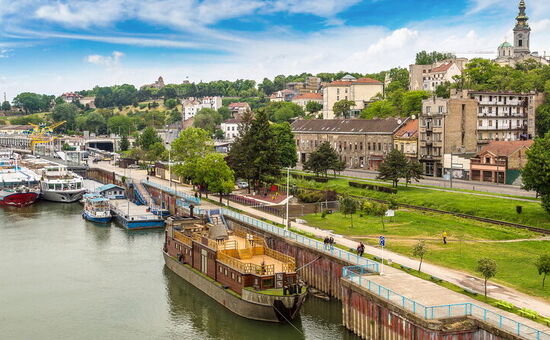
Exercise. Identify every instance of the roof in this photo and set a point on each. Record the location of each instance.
(506, 148)
(108, 187)
(16, 127)
(238, 105)
(408, 130)
(442, 68)
(70, 94)
(505, 44)
(360, 81)
(309, 95)
(353, 126)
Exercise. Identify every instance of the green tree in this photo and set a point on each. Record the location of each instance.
(33, 102)
(279, 112)
(65, 112)
(393, 167)
(207, 119)
(412, 102)
(6, 106)
(428, 58)
(443, 90)
(376, 209)
(413, 170)
(120, 124)
(29, 119)
(348, 206)
(124, 143)
(313, 107)
(419, 250)
(156, 152)
(284, 138)
(148, 138)
(224, 112)
(379, 109)
(488, 269)
(535, 174)
(93, 122)
(322, 160)
(543, 266)
(191, 145)
(170, 103)
(215, 175)
(342, 108)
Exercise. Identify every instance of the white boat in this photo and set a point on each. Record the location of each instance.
(18, 185)
(96, 208)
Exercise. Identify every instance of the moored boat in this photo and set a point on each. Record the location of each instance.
(18, 186)
(96, 208)
(235, 268)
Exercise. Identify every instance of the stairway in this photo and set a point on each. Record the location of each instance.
(142, 195)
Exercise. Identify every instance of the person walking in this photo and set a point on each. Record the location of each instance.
(361, 249)
(331, 242)
(325, 241)
(444, 237)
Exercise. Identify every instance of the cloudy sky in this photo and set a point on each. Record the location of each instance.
(53, 46)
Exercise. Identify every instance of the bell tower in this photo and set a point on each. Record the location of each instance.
(521, 32)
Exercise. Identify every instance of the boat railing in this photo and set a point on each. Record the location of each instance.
(280, 257)
(245, 267)
(183, 239)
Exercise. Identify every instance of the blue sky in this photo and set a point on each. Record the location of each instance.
(53, 46)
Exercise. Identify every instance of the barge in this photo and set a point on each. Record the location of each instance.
(235, 268)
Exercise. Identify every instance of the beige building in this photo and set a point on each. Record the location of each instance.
(361, 91)
(446, 126)
(361, 143)
(406, 139)
(303, 99)
(310, 85)
(429, 77)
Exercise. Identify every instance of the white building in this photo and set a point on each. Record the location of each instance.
(361, 91)
(303, 99)
(193, 105)
(239, 108)
(70, 97)
(230, 128)
(429, 77)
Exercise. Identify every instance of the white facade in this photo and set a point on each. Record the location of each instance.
(230, 129)
(439, 76)
(193, 105)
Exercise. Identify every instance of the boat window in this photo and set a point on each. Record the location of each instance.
(51, 186)
(78, 185)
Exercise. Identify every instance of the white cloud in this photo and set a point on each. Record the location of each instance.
(109, 61)
(4, 53)
(83, 14)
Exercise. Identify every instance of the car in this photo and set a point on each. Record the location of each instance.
(242, 184)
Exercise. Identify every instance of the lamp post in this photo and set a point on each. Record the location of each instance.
(287, 196)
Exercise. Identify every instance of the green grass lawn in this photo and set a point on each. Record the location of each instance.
(465, 247)
(490, 207)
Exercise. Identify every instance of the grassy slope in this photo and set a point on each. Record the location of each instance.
(489, 207)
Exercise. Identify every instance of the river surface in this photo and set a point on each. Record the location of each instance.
(64, 278)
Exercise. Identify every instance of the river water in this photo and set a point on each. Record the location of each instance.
(64, 278)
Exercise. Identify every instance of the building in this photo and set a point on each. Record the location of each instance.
(303, 99)
(285, 95)
(15, 129)
(88, 101)
(111, 191)
(230, 128)
(505, 115)
(406, 139)
(500, 161)
(191, 106)
(361, 91)
(509, 54)
(429, 77)
(446, 126)
(239, 108)
(70, 97)
(158, 84)
(361, 143)
(310, 85)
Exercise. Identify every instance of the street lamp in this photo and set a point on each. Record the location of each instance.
(287, 196)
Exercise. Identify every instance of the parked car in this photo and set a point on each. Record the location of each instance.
(242, 184)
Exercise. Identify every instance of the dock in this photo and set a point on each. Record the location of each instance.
(132, 216)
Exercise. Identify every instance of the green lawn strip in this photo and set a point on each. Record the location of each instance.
(489, 207)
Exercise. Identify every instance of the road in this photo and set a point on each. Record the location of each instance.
(456, 277)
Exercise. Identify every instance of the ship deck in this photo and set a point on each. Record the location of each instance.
(256, 259)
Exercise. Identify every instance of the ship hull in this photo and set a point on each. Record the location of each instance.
(275, 312)
(19, 199)
(91, 218)
(63, 197)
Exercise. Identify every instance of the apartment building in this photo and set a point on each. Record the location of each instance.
(429, 77)
(191, 106)
(406, 139)
(303, 99)
(310, 85)
(361, 91)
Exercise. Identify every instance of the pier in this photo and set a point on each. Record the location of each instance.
(133, 216)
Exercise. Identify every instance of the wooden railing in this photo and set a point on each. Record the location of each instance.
(246, 268)
(183, 239)
(280, 256)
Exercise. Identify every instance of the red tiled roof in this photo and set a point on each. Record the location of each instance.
(442, 68)
(70, 94)
(238, 105)
(362, 81)
(309, 95)
(505, 148)
(409, 130)
(350, 126)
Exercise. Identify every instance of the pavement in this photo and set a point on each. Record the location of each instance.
(459, 278)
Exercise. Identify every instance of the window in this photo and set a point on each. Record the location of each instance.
(221, 269)
(480, 123)
(428, 109)
(379, 146)
(204, 261)
(440, 109)
(360, 145)
(490, 123)
(368, 146)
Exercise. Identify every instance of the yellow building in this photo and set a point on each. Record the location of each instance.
(406, 139)
(361, 91)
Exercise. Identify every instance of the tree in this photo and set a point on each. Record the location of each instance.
(123, 125)
(393, 167)
(376, 209)
(425, 58)
(412, 102)
(443, 90)
(156, 152)
(313, 107)
(215, 175)
(488, 269)
(124, 143)
(413, 170)
(535, 174)
(279, 112)
(323, 159)
(543, 266)
(6, 106)
(348, 206)
(148, 137)
(93, 122)
(419, 250)
(379, 109)
(284, 138)
(170, 103)
(342, 108)
(207, 119)
(191, 145)
(33, 102)
(225, 113)
(65, 112)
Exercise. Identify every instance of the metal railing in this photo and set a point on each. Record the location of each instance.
(355, 274)
(306, 241)
(184, 196)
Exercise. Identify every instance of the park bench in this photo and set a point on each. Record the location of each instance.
(505, 305)
(405, 267)
(531, 314)
(470, 291)
(436, 279)
(376, 258)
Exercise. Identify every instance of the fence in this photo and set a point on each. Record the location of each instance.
(309, 242)
(355, 274)
(186, 197)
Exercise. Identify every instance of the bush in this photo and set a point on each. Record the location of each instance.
(311, 196)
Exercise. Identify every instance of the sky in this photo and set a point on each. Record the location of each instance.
(56, 46)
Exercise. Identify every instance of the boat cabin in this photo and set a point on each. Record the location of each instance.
(112, 191)
(233, 257)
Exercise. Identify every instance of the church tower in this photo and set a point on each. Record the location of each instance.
(521, 32)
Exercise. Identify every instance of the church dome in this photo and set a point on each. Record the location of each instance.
(505, 44)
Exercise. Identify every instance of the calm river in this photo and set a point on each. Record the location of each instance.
(64, 278)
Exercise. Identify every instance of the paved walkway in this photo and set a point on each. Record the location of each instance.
(456, 277)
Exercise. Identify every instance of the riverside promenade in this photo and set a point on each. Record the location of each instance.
(456, 277)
